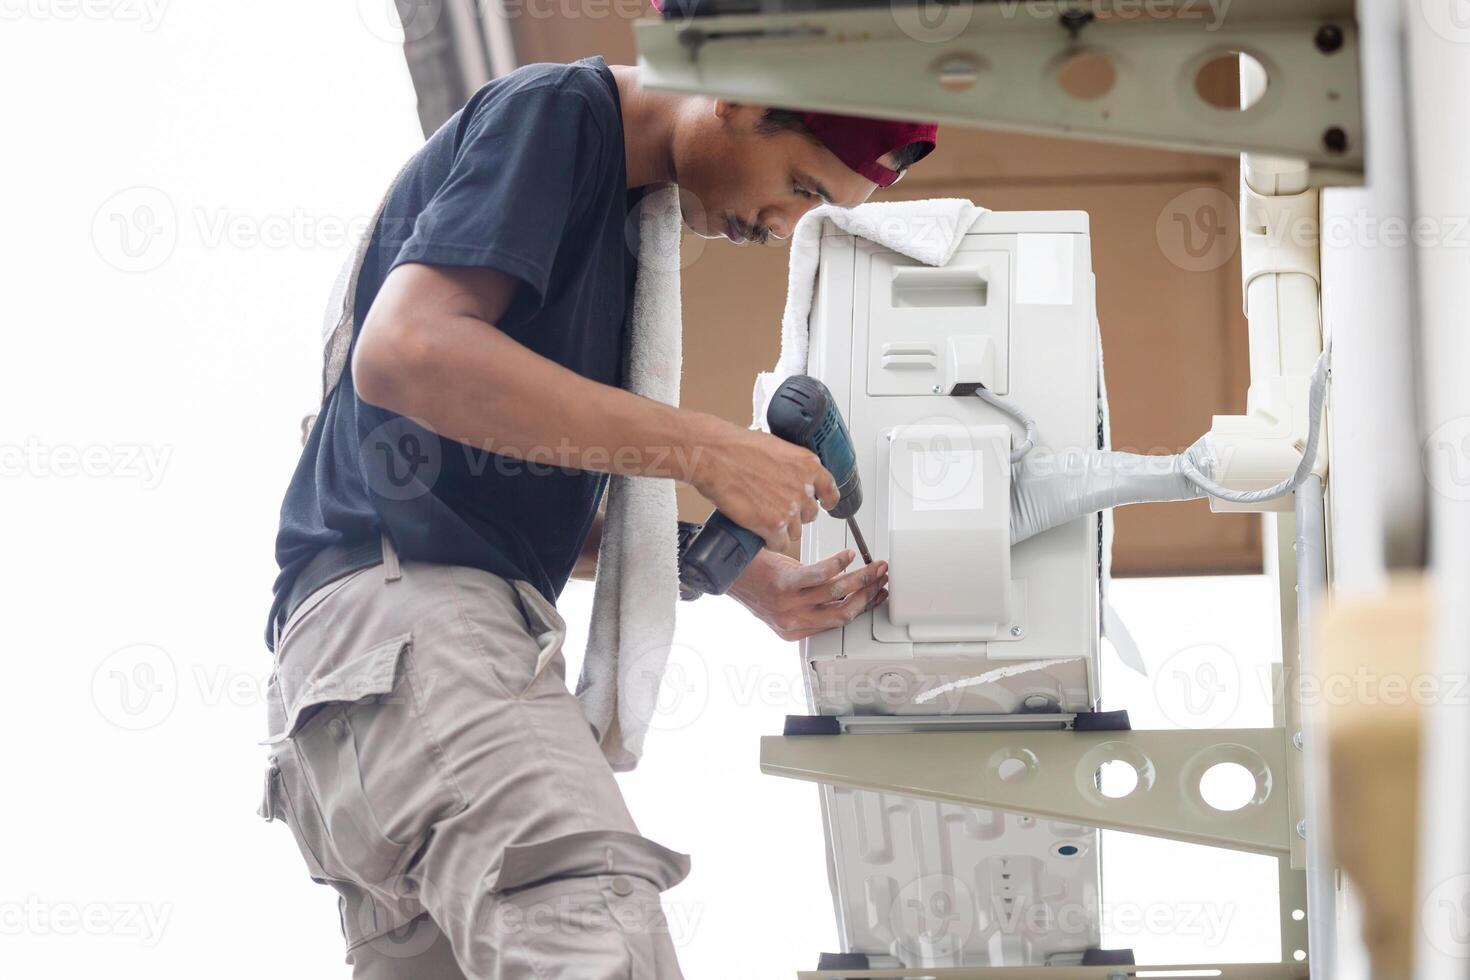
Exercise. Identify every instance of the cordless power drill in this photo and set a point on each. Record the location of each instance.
(802, 412)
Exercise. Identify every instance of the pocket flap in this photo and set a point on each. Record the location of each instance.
(370, 673)
(267, 808)
(592, 852)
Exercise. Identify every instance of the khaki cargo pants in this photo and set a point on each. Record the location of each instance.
(435, 771)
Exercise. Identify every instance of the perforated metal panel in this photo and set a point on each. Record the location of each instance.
(935, 884)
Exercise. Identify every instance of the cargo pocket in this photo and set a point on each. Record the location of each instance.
(591, 899)
(277, 803)
(359, 761)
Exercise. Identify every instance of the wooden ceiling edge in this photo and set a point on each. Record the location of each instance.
(1062, 180)
(1174, 571)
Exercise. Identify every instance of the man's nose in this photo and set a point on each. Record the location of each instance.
(776, 223)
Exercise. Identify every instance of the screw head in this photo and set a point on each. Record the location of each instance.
(1015, 631)
(1074, 19)
(958, 73)
(1297, 741)
(1301, 829)
(1329, 39)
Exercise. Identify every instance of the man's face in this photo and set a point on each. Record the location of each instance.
(746, 185)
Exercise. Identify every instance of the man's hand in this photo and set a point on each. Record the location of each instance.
(762, 483)
(799, 600)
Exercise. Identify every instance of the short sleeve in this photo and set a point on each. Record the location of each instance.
(515, 184)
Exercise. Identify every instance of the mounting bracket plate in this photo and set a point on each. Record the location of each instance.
(1053, 775)
(1001, 66)
(1222, 971)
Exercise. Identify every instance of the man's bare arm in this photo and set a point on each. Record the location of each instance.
(429, 350)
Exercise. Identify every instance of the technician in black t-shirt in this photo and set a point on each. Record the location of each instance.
(490, 318)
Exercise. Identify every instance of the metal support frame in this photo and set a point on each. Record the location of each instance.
(1295, 923)
(1308, 880)
(1038, 770)
(1053, 776)
(1221, 971)
(997, 65)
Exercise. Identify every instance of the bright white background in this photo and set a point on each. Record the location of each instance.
(180, 179)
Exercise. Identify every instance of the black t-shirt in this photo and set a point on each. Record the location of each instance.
(529, 179)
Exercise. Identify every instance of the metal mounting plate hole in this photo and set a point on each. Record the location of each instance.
(1116, 779)
(1227, 786)
(1087, 75)
(1219, 81)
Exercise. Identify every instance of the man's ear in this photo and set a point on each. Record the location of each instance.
(730, 111)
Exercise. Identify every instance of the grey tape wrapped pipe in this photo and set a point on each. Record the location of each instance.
(1047, 491)
(1050, 490)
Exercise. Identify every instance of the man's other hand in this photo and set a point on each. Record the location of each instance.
(799, 600)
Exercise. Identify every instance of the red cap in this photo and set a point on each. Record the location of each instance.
(859, 142)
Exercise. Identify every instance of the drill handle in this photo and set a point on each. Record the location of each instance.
(717, 555)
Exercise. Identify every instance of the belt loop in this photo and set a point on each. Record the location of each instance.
(392, 572)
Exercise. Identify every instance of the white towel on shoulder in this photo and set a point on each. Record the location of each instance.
(637, 586)
(927, 231)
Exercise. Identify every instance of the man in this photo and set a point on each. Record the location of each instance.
(425, 750)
